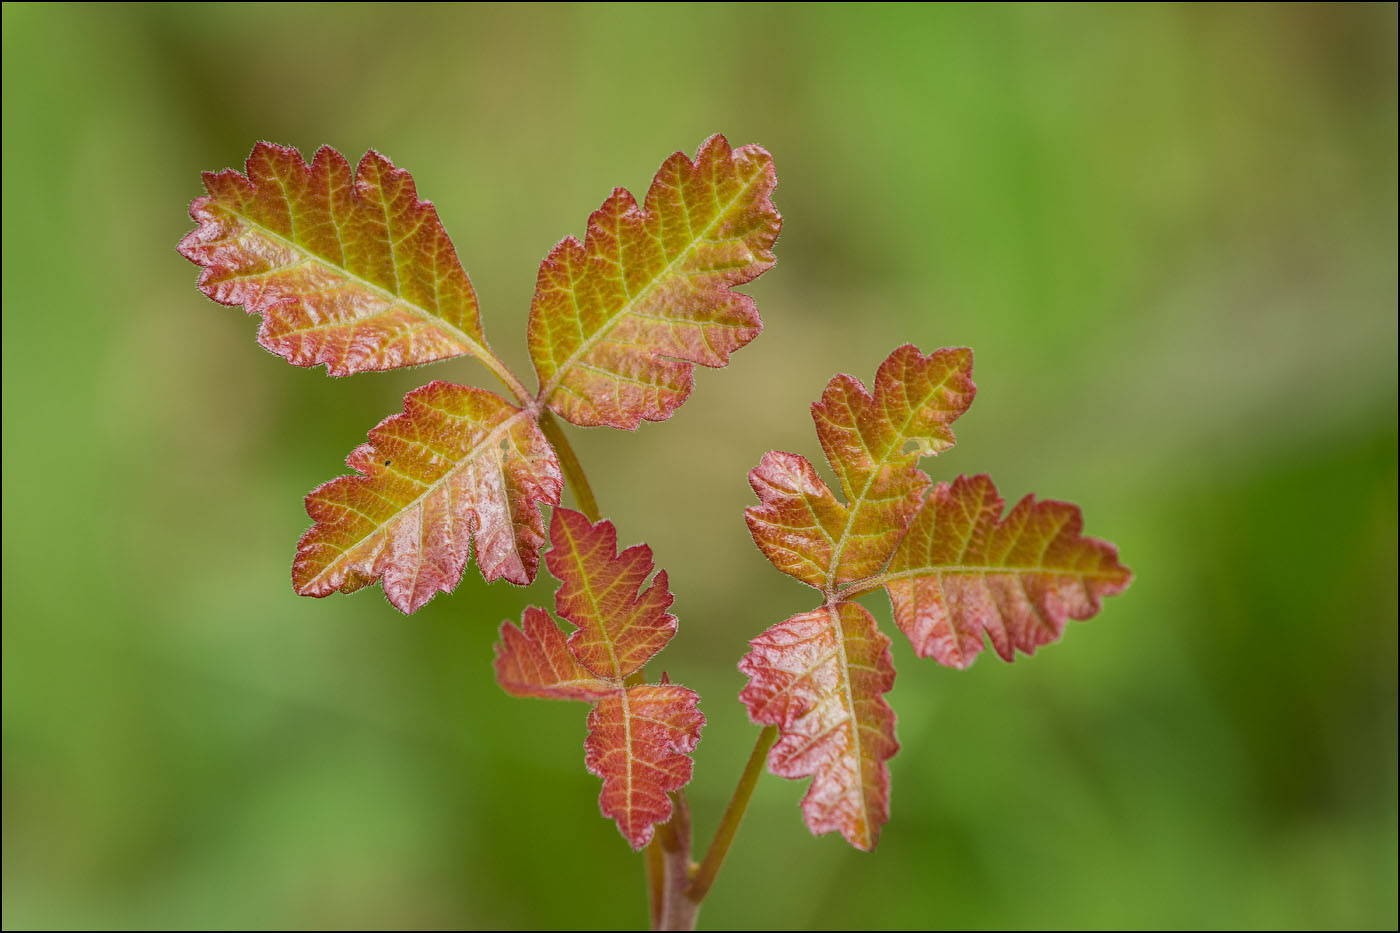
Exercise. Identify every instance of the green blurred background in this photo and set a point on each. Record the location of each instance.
(1168, 232)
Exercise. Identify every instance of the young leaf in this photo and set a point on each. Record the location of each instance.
(620, 625)
(821, 678)
(459, 465)
(962, 570)
(534, 661)
(639, 735)
(801, 526)
(639, 742)
(353, 272)
(953, 568)
(619, 320)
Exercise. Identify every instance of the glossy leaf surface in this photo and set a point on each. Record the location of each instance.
(821, 678)
(954, 568)
(620, 320)
(535, 661)
(872, 440)
(620, 623)
(963, 570)
(349, 270)
(459, 466)
(639, 735)
(639, 742)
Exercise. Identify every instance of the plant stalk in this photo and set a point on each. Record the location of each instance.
(573, 470)
(674, 890)
(733, 816)
(488, 358)
(678, 909)
(655, 859)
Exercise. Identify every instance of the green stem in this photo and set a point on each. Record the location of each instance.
(733, 816)
(573, 470)
(502, 372)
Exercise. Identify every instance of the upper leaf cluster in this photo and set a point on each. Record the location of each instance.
(353, 271)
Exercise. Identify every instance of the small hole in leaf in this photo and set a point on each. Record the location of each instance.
(387, 462)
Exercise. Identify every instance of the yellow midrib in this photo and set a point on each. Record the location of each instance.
(618, 677)
(488, 441)
(472, 344)
(562, 368)
(834, 613)
(859, 500)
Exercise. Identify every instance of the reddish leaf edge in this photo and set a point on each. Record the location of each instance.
(836, 598)
(474, 345)
(821, 677)
(1109, 579)
(632, 209)
(654, 726)
(512, 552)
(802, 526)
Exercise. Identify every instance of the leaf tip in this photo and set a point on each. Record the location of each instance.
(617, 326)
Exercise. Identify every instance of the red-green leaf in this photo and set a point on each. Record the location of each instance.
(534, 661)
(639, 735)
(954, 569)
(639, 742)
(872, 441)
(351, 271)
(799, 520)
(962, 569)
(620, 625)
(821, 678)
(619, 320)
(460, 465)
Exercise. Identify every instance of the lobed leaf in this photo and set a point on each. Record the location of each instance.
(535, 661)
(874, 437)
(620, 625)
(963, 570)
(872, 441)
(352, 271)
(954, 569)
(619, 321)
(460, 465)
(821, 677)
(639, 735)
(799, 520)
(639, 742)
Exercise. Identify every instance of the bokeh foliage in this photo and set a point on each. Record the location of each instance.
(1169, 232)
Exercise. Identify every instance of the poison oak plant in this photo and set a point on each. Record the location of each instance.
(353, 271)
